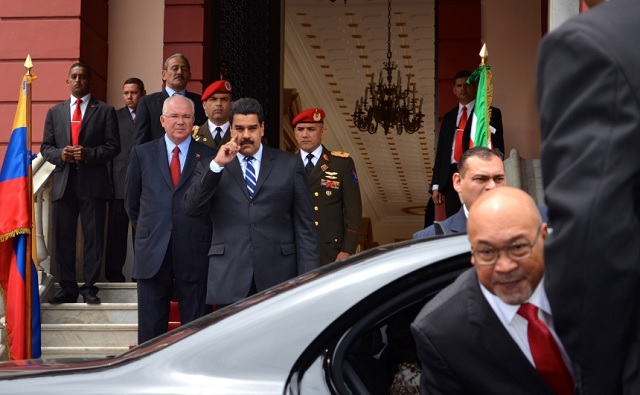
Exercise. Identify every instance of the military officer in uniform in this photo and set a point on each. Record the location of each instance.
(216, 102)
(334, 187)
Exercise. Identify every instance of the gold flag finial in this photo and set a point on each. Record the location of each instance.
(28, 64)
(484, 54)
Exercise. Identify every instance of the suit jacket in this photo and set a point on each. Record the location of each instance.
(99, 137)
(271, 237)
(118, 166)
(588, 85)
(204, 135)
(465, 349)
(155, 209)
(457, 223)
(148, 126)
(442, 163)
(337, 205)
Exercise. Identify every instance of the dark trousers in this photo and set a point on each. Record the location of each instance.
(92, 213)
(452, 201)
(117, 231)
(154, 300)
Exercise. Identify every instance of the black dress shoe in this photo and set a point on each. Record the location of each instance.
(91, 299)
(63, 297)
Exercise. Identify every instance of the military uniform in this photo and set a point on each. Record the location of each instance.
(203, 134)
(336, 204)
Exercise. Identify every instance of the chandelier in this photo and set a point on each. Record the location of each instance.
(387, 104)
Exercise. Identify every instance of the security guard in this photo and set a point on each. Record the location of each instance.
(216, 101)
(334, 185)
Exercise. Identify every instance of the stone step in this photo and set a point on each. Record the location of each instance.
(81, 352)
(82, 313)
(89, 335)
(109, 292)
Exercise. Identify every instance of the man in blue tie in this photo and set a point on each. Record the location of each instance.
(260, 207)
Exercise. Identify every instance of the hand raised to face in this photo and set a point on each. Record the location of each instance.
(227, 152)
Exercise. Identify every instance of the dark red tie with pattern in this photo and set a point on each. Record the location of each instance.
(546, 352)
(174, 167)
(457, 149)
(76, 123)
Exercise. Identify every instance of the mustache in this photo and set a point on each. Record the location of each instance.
(246, 141)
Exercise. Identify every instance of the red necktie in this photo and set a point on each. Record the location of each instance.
(546, 352)
(76, 123)
(457, 149)
(174, 167)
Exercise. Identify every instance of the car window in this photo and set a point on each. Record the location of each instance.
(360, 352)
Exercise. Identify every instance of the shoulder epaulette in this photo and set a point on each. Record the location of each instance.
(340, 154)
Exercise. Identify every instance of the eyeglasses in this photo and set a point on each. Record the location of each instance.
(176, 117)
(518, 251)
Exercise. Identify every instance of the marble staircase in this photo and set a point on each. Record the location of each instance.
(82, 330)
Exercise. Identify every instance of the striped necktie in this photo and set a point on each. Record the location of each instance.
(250, 176)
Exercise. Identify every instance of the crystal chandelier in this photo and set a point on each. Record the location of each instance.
(388, 105)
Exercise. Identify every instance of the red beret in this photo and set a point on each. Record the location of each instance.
(222, 86)
(311, 115)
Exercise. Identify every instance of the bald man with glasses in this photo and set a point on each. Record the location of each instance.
(491, 331)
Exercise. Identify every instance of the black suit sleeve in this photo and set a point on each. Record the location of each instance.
(143, 121)
(197, 200)
(589, 117)
(497, 138)
(437, 377)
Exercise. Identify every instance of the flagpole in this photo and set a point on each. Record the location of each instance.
(28, 305)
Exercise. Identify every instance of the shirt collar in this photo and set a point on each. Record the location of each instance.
(170, 145)
(508, 311)
(257, 156)
(85, 99)
(213, 126)
(170, 91)
(316, 153)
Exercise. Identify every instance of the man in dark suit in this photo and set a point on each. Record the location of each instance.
(80, 138)
(333, 182)
(454, 139)
(118, 225)
(588, 85)
(176, 76)
(491, 330)
(259, 202)
(170, 246)
(216, 101)
(480, 170)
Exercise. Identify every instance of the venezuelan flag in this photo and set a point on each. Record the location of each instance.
(15, 225)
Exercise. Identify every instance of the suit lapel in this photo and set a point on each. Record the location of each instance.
(318, 170)
(235, 170)
(459, 222)
(66, 116)
(161, 159)
(92, 107)
(266, 166)
(191, 160)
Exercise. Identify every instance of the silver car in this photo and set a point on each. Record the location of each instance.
(336, 330)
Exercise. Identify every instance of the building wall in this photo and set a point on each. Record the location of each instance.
(135, 50)
(513, 68)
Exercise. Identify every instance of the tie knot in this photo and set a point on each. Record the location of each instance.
(78, 102)
(248, 158)
(176, 150)
(218, 129)
(528, 311)
(309, 157)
